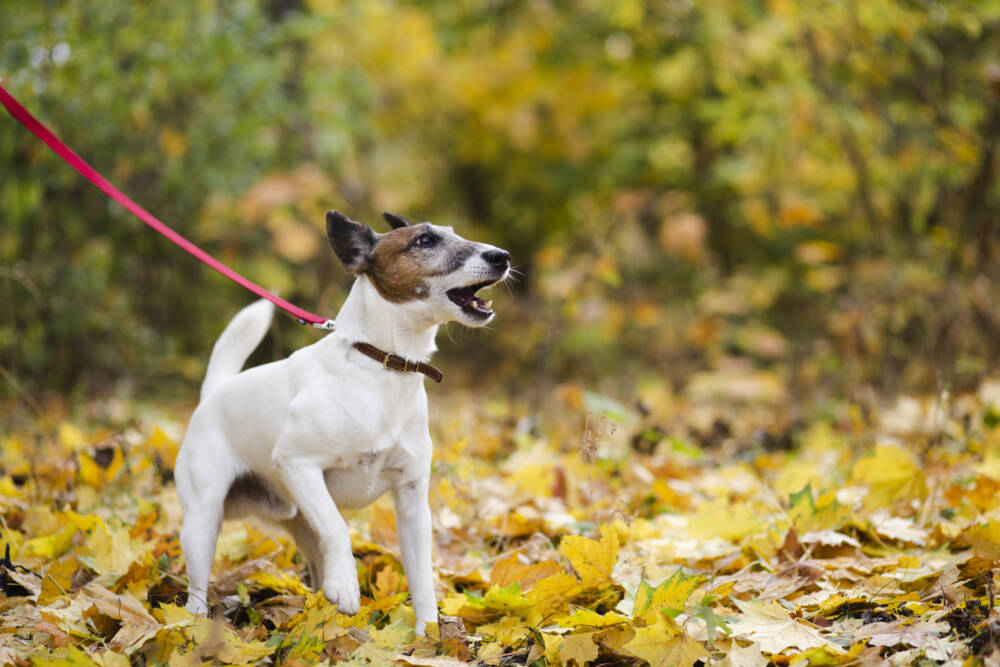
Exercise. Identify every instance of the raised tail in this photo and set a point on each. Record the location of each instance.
(240, 337)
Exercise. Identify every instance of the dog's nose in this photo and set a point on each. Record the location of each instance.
(497, 258)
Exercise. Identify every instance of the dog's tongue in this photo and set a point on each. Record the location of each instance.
(466, 298)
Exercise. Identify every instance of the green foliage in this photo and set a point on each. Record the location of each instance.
(808, 185)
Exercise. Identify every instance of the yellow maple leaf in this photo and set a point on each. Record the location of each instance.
(590, 619)
(109, 551)
(388, 582)
(552, 593)
(392, 636)
(58, 578)
(390, 602)
(534, 479)
(84, 522)
(511, 570)
(592, 561)
(509, 599)
(578, 648)
(663, 644)
(320, 618)
(216, 639)
(552, 643)
(280, 581)
(743, 656)
(109, 659)
(141, 574)
(490, 654)
(891, 474)
(495, 603)
(984, 539)
(672, 593)
(771, 626)
(724, 519)
(508, 631)
(172, 615)
(457, 604)
(50, 547)
(69, 656)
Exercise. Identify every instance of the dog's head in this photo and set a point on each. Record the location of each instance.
(421, 263)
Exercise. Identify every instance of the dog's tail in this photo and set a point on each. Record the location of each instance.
(240, 337)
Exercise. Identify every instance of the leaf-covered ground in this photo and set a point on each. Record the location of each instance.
(568, 529)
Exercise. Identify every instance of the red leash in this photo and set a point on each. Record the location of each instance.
(72, 159)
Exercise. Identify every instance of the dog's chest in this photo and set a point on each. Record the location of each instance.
(359, 474)
(367, 443)
(358, 485)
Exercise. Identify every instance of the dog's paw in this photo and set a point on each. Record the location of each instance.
(341, 589)
(196, 606)
(422, 619)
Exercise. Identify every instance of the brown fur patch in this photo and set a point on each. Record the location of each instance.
(397, 273)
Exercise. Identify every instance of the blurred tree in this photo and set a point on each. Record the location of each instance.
(174, 102)
(809, 185)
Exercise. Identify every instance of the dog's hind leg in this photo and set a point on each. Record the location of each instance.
(199, 533)
(202, 492)
(308, 546)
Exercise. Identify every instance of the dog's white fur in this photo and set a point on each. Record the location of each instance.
(327, 428)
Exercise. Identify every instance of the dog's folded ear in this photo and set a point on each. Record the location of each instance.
(396, 221)
(352, 241)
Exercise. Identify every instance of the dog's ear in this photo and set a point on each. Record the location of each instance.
(352, 241)
(396, 221)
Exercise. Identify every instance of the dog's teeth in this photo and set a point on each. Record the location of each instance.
(488, 305)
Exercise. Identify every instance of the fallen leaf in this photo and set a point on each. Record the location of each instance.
(587, 618)
(771, 626)
(671, 593)
(917, 634)
(890, 474)
(663, 644)
(592, 561)
(510, 570)
(579, 648)
(137, 626)
(897, 528)
(829, 538)
(744, 656)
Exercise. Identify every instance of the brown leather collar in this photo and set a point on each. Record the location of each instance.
(397, 363)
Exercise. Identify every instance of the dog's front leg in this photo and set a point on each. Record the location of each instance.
(413, 525)
(304, 481)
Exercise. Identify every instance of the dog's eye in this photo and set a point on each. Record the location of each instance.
(425, 240)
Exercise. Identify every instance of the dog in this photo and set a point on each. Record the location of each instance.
(335, 425)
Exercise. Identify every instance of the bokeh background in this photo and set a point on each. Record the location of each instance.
(744, 200)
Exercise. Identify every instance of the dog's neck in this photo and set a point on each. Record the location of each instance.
(366, 317)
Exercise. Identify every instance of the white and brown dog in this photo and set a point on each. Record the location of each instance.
(330, 426)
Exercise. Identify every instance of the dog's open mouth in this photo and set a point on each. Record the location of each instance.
(466, 299)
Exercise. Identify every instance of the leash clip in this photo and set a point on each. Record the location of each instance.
(326, 324)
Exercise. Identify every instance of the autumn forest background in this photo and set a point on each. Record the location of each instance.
(747, 375)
